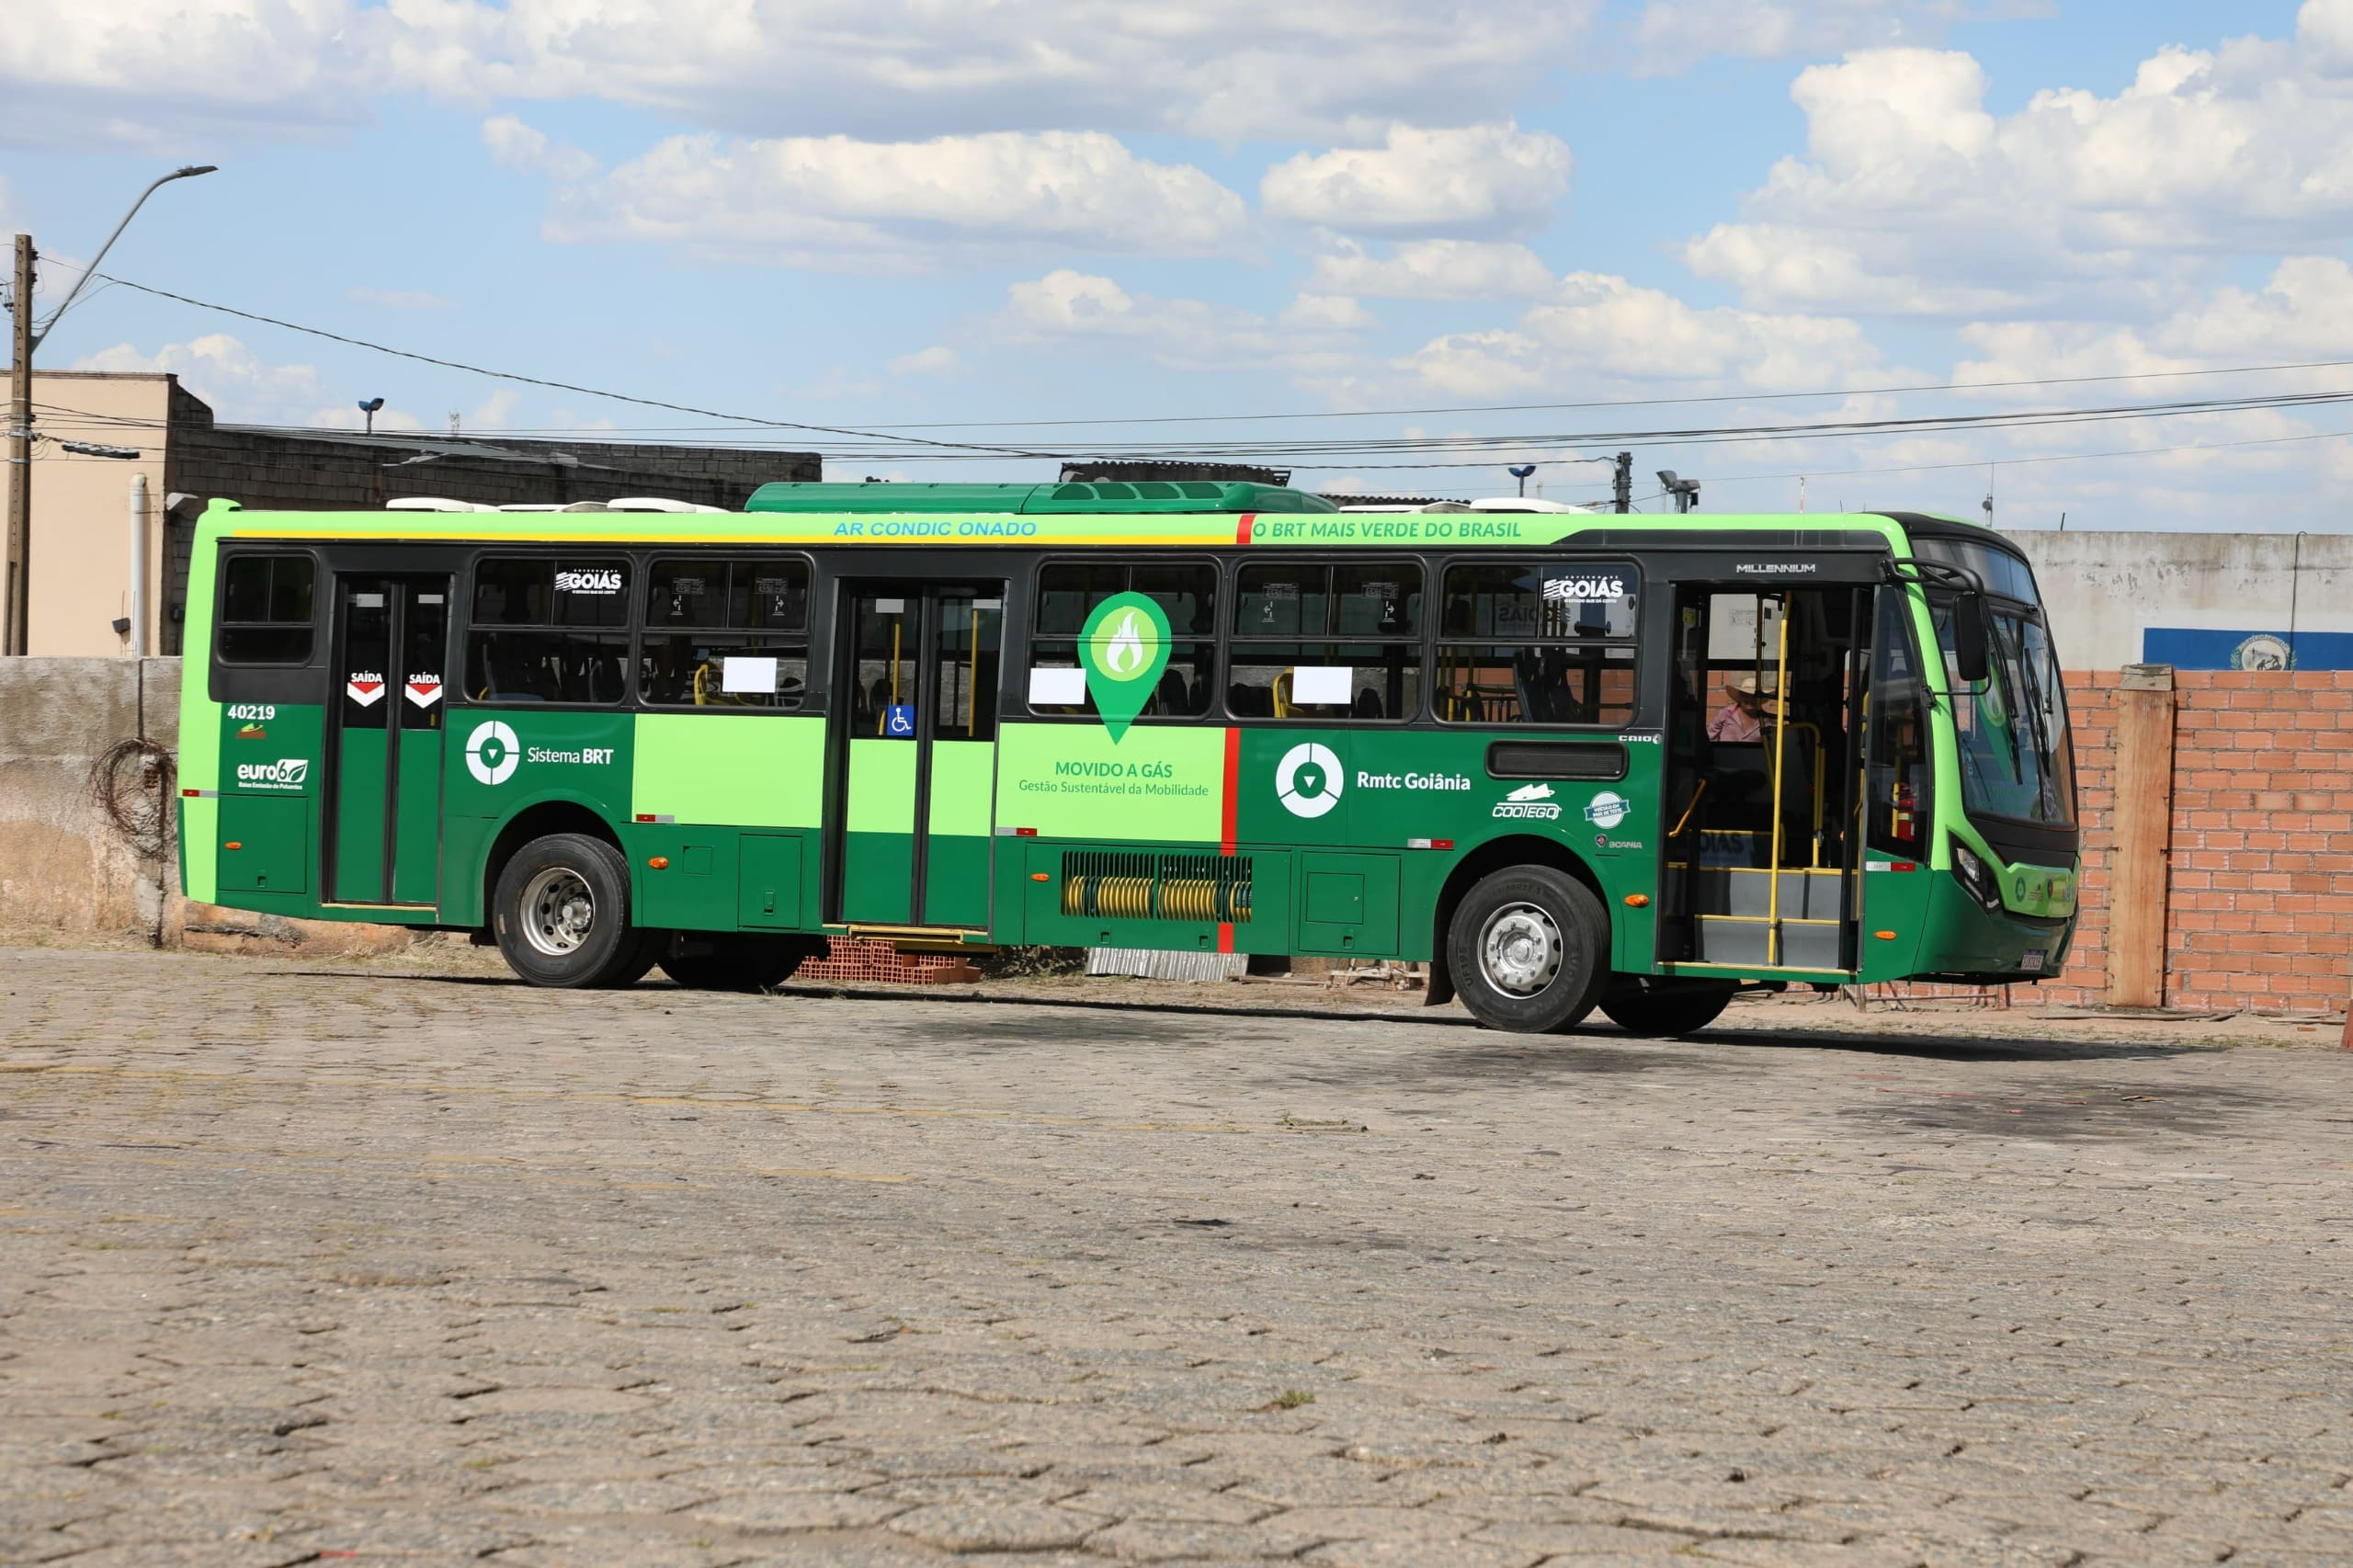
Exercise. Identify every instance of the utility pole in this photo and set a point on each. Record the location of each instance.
(13, 638)
(1622, 488)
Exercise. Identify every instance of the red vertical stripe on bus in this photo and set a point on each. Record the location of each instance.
(1225, 935)
(1232, 789)
(1242, 529)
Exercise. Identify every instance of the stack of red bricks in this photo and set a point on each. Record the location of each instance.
(2259, 886)
(856, 959)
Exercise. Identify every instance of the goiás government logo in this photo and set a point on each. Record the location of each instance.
(1124, 647)
(1308, 780)
(492, 753)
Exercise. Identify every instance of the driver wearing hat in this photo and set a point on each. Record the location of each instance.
(1742, 718)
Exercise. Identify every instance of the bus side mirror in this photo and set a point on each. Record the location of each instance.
(1969, 638)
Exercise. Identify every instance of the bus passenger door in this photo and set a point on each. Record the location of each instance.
(917, 695)
(384, 786)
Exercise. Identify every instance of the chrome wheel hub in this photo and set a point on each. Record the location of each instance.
(558, 912)
(1521, 950)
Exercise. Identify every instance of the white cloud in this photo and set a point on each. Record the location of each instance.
(1914, 198)
(1674, 34)
(157, 73)
(398, 299)
(527, 150)
(1078, 311)
(148, 71)
(936, 361)
(1603, 329)
(1478, 179)
(241, 387)
(1334, 312)
(1435, 269)
(831, 202)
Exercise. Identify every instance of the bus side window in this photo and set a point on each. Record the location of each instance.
(1538, 642)
(1312, 640)
(265, 611)
(547, 630)
(725, 633)
(1068, 592)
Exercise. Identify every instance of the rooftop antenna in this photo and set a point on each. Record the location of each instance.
(369, 407)
(453, 422)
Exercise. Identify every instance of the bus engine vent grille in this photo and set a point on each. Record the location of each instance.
(1131, 885)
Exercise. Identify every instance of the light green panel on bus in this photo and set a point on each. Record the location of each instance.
(882, 793)
(1162, 784)
(739, 769)
(962, 774)
(956, 851)
(199, 762)
(879, 837)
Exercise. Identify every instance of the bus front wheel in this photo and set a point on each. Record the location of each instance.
(1662, 1009)
(727, 962)
(1528, 949)
(562, 915)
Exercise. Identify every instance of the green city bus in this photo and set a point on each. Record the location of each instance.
(1571, 760)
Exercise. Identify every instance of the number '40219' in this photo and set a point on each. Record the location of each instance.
(253, 710)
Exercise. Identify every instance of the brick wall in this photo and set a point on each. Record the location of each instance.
(2259, 885)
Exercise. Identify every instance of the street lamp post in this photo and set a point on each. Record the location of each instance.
(14, 609)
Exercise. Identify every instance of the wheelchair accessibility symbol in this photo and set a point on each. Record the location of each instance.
(899, 721)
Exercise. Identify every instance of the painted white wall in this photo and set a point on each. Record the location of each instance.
(2104, 589)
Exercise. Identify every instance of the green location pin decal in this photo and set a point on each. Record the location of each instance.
(1124, 648)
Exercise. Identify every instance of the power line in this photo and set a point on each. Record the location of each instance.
(558, 386)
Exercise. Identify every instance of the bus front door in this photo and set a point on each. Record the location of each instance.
(383, 840)
(918, 697)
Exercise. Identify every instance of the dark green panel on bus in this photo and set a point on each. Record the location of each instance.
(264, 844)
(771, 866)
(1348, 903)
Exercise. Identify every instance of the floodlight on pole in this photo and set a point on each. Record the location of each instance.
(369, 407)
(1520, 472)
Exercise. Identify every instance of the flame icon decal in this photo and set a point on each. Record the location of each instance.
(1124, 647)
(1124, 656)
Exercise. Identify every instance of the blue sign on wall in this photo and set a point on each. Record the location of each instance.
(2188, 648)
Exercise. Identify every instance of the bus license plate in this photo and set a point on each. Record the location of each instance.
(2032, 961)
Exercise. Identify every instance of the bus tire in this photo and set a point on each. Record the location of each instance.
(736, 962)
(561, 915)
(1665, 1009)
(1528, 949)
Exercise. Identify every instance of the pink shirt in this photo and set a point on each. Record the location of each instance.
(1731, 724)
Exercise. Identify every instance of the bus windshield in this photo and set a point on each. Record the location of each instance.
(2012, 727)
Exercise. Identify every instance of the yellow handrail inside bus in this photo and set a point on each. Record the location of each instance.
(1781, 700)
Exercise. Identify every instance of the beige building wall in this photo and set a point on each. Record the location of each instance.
(81, 512)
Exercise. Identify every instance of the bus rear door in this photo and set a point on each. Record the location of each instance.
(384, 841)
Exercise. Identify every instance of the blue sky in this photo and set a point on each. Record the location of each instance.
(881, 213)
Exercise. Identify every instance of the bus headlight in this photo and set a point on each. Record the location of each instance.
(1973, 875)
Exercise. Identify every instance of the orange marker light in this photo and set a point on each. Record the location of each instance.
(232, 844)
(1884, 936)
(1041, 876)
(660, 862)
(1638, 901)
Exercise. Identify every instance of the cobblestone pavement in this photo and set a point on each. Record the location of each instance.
(302, 1264)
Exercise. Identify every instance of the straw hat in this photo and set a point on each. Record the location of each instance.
(1749, 686)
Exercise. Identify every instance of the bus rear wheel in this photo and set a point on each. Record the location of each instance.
(1662, 1009)
(1528, 948)
(728, 962)
(561, 915)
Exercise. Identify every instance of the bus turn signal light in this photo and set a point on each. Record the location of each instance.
(660, 862)
(1884, 936)
(1638, 901)
(1041, 876)
(232, 844)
